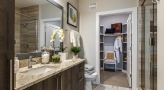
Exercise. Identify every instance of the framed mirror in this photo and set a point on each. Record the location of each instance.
(35, 21)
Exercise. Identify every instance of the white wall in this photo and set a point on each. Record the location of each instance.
(48, 11)
(160, 46)
(88, 22)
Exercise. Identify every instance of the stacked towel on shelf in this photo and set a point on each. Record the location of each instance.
(89, 69)
(89, 72)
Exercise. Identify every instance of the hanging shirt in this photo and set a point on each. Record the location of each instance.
(118, 48)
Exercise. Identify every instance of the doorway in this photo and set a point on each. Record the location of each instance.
(47, 27)
(126, 69)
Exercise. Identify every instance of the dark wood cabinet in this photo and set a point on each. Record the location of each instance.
(70, 79)
(77, 79)
(67, 79)
(73, 78)
(7, 8)
(52, 83)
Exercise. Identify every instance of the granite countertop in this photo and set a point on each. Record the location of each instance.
(26, 80)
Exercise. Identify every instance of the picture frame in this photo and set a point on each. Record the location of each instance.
(72, 15)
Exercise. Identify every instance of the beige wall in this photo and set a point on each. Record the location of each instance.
(63, 3)
(88, 22)
(160, 46)
(28, 29)
(17, 30)
(25, 29)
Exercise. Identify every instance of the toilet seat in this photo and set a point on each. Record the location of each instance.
(91, 77)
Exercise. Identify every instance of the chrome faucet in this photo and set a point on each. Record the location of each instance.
(30, 62)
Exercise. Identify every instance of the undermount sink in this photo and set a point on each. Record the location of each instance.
(38, 71)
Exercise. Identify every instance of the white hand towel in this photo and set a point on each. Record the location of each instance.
(75, 38)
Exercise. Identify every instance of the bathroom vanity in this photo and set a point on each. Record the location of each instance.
(35, 23)
(68, 75)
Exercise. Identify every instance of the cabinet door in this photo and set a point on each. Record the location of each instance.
(38, 86)
(78, 77)
(51, 83)
(67, 80)
(81, 78)
(75, 78)
(81, 84)
(6, 44)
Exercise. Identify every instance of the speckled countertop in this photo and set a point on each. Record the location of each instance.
(26, 80)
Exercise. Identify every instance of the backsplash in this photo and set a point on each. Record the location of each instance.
(23, 58)
(24, 62)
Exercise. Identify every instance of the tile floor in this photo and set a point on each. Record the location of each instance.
(115, 80)
(110, 87)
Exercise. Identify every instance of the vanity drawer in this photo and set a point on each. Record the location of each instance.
(81, 84)
(81, 65)
(80, 71)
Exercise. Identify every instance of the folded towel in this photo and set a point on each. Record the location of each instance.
(89, 72)
(89, 67)
(86, 69)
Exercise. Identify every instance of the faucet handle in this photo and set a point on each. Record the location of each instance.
(30, 57)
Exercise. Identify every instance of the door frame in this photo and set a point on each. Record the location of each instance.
(41, 40)
(129, 46)
(134, 12)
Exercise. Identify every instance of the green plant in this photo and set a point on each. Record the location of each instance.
(75, 50)
(56, 58)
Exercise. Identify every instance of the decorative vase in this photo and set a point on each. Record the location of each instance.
(63, 56)
(75, 56)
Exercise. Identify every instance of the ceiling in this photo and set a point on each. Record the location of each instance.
(26, 3)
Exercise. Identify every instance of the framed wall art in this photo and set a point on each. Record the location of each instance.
(72, 15)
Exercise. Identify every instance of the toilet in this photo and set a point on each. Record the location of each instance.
(90, 75)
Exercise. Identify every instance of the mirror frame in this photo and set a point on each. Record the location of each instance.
(60, 7)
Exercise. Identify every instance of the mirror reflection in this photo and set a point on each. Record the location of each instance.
(35, 22)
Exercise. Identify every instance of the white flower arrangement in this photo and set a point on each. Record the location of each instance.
(61, 35)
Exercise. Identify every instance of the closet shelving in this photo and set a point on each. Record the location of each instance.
(124, 46)
(110, 35)
(124, 43)
(101, 45)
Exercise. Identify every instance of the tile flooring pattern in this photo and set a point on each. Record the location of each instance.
(109, 87)
(117, 78)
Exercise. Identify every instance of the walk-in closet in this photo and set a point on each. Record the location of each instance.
(115, 49)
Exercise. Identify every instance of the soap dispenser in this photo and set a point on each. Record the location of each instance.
(16, 64)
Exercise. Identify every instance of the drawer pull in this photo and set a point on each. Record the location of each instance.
(81, 68)
(81, 79)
